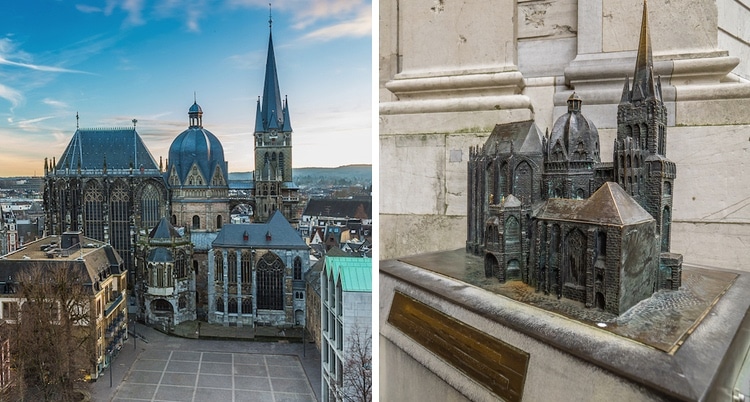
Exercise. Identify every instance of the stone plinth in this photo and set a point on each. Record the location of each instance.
(566, 358)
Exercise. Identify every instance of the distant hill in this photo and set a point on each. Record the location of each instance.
(342, 175)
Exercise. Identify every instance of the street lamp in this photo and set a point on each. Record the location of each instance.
(111, 366)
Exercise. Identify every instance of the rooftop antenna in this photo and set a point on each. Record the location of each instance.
(195, 97)
(135, 121)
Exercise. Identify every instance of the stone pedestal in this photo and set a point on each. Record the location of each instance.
(443, 339)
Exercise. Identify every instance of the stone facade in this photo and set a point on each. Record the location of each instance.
(255, 275)
(433, 110)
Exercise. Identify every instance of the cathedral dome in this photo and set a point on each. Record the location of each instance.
(198, 147)
(574, 137)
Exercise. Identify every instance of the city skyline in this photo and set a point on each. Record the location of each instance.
(122, 60)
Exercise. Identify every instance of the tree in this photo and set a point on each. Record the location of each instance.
(357, 370)
(53, 341)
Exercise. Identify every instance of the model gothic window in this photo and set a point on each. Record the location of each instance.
(119, 213)
(522, 182)
(93, 218)
(150, 210)
(270, 277)
(576, 259)
(512, 230)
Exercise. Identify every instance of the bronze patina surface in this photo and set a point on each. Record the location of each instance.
(489, 361)
(662, 321)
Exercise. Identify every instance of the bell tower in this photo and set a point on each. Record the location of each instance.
(274, 188)
(641, 166)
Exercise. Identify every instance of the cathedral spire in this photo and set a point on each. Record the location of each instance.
(271, 108)
(643, 77)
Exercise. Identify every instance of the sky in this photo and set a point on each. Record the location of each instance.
(112, 61)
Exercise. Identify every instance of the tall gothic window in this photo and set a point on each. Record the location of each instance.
(180, 263)
(150, 206)
(196, 222)
(220, 304)
(232, 267)
(512, 230)
(246, 268)
(232, 306)
(219, 264)
(93, 214)
(247, 305)
(270, 271)
(119, 214)
(297, 268)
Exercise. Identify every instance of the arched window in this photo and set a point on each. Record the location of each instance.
(297, 268)
(523, 182)
(512, 230)
(181, 265)
(270, 276)
(119, 225)
(159, 275)
(575, 272)
(246, 268)
(232, 267)
(150, 206)
(161, 305)
(196, 222)
(232, 306)
(219, 221)
(219, 266)
(281, 166)
(149, 275)
(183, 302)
(220, 304)
(247, 305)
(93, 216)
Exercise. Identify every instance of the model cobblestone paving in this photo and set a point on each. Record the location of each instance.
(175, 375)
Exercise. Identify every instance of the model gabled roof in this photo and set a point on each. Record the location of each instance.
(522, 136)
(354, 273)
(609, 205)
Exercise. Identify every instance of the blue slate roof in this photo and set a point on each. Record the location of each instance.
(276, 233)
(164, 231)
(270, 113)
(122, 148)
(160, 254)
(197, 145)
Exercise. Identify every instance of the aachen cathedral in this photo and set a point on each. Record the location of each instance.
(545, 210)
(163, 220)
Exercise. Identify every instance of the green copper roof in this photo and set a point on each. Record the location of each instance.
(354, 273)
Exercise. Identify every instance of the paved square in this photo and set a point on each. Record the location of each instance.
(176, 375)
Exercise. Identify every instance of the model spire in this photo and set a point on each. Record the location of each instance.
(643, 77)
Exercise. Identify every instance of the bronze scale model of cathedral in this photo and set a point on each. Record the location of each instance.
(544, 209)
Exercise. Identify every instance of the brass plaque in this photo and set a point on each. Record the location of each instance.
(487, 360)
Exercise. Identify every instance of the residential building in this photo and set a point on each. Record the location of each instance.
(346, 311)
(102, 272)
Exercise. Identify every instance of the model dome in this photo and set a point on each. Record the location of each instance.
(574, 137)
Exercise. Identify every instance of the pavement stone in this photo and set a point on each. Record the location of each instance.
(160, 367)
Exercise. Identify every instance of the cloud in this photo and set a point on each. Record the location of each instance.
(55, 103)
(358, 27)
(88, 9)
(11, 95)
(38, 67)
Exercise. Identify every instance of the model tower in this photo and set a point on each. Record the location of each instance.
(640, 163)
